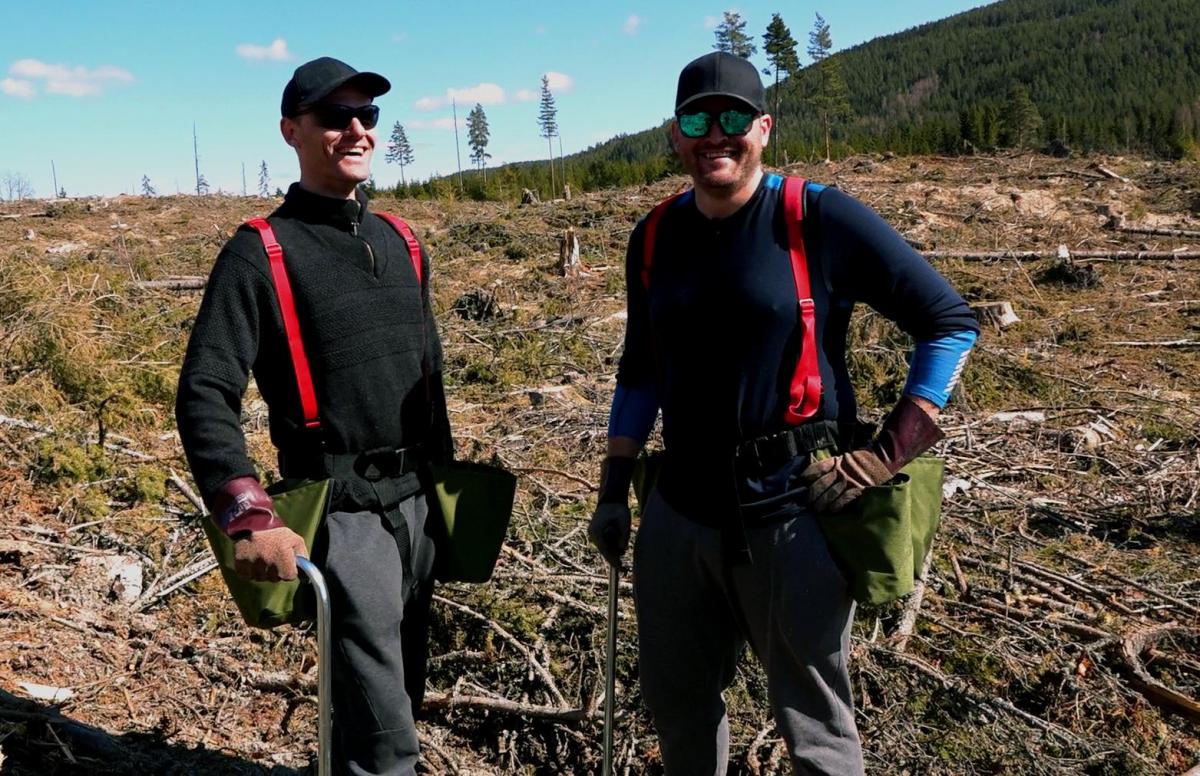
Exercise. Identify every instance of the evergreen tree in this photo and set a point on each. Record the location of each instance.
(201, 186)
(399, 150)
(830, 97)
(264, 180)
(548, 122)
(477, 138)
(780, 48)
(732, 37)
(1021, 119)
(147, 189)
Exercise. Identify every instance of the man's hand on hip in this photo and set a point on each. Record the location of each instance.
(268, 556)
(835, 482)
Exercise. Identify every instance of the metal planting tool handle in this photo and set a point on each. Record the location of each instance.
(324, 674)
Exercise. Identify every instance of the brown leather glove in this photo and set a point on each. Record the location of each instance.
(834, 482)
(268, 556)
(264, 548)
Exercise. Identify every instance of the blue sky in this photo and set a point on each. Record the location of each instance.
(109, 91)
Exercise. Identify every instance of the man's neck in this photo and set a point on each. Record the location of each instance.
(720, 203)
(332, 194)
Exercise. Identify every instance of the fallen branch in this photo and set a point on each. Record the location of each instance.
(174, 284)
(1163, 344)
(443, 701)
(1036, 255)
(1132, 647)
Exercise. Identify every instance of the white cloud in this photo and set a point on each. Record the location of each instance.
(400, 37)
(17, 88)
(631, 24)
(446, 123)
(483, 93)
(276, 52)
(559, 82)
(73, 81)
(525, 95)
(540, 29)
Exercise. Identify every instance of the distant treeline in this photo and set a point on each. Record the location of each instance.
(1059, 75)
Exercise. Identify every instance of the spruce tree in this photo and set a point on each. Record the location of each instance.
(399, 150)
(548, 123)
(147, 189)
(264, 180)
(830, 98)
(1021, 119)
(477, 138)
(732, 37)
(780, 48)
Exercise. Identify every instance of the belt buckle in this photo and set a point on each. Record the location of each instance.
(375, 465)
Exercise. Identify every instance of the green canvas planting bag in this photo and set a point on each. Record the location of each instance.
(475, 501)
(880, 540)
(302, 506)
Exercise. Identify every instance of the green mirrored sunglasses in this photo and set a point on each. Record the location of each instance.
(733, 122)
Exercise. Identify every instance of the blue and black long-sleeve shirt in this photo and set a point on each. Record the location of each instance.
(715, 338)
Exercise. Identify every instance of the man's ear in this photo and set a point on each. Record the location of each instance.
(287, 128)
(673, 136)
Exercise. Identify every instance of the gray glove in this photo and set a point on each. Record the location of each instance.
(609, 530)
(610, 525)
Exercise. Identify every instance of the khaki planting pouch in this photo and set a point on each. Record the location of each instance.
(302, 505)
(881, 539)
(475, 501)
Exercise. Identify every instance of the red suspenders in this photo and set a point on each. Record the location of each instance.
(805, 393)
(287, 306)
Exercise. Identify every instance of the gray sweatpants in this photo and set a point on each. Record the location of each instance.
(380, 622)
(695, 615)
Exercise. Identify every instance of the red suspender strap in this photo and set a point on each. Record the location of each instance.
(805, 395)
(651, 234)
(414, 249)
(291, 324)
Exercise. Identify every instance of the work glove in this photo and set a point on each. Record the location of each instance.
(835, 482)
(611, 522)
(264, 548)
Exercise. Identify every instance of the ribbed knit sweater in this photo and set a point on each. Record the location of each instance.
(366, 324)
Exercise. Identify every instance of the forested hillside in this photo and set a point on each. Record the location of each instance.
(1081, 75)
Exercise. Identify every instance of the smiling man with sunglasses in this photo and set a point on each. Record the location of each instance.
(363, 315)
(739, 294)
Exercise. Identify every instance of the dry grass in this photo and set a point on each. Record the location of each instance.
(1070, 530)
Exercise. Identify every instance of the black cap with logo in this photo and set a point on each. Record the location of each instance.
(313, 81)
(720, 74)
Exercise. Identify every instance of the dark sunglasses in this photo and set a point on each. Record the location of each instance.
(733, 122)
(334, 116)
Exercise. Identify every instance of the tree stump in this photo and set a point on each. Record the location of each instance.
(528, 197)
(568, 254)
(999, 315)
(566, 191)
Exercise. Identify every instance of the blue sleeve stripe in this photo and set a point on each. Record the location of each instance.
(773, 181)
(633, 413)
(937, 365)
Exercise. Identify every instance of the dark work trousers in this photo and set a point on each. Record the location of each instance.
(695, 616)
(379, 567)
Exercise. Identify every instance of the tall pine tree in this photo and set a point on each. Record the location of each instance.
(830, 98)
(732, 37)
(780, 48)
(477, 138)
(548, 123)
(399, 150)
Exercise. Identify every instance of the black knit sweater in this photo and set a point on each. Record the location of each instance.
(366, 327)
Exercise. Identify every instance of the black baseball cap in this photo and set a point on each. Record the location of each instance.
(314, 80)
(720, 74)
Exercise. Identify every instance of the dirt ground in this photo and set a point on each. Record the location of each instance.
(1058, 631)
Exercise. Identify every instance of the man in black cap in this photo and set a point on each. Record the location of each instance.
(368, 330)
(749, 370)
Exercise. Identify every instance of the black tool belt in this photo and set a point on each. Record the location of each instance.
(768, 453)
(371, 465)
